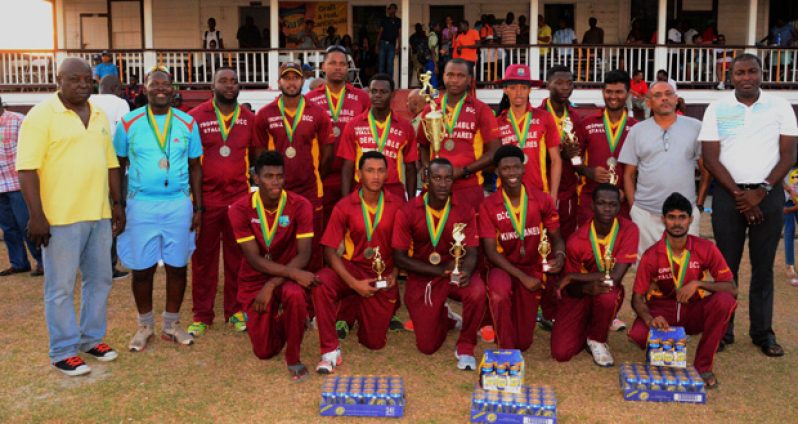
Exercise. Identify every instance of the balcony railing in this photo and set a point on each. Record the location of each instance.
(691, 66)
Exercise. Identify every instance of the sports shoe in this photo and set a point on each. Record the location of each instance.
(546, 324)
(72, 366)
(617, 325)
(119, 275)
(601, 353)
(197, 328)
(409, 326)
(177, 335)
(329, 361)
(239, 321)
(458, 320)
(396, 324)
(342, 328)
(465, 362)
(102, 352)
(140, 339)
(487, 334)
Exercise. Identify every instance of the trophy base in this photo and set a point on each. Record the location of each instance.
(546, 268)
(381, 284)
(608, 282)
(455, 278)
(576, 161)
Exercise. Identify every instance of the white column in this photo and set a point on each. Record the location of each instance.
(274, 34)
(534, 52)
(60, 30)
(750, 39)
(661, 52)
(404, 49)
(150, 58)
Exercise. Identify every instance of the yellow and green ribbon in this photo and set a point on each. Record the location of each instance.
(167, 128)
(614, 132)
(335, 110)
(608, 242)
(436, 231)
(379, 141)
(683, 261)
(558, 119)
(269, 231)
(290, 129)
(371, 226)
(518, 133)
(517, 215)
(451, 120)
(223, 128)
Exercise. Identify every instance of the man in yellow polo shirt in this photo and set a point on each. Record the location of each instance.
(66, 165)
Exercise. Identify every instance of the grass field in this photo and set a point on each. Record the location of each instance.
(220, 380)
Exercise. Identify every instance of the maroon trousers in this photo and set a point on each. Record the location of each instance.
(582, 318)
(425, 301)
(215, 227)
(708, 316)
(373, 313)
(514, 309)
(282, 324)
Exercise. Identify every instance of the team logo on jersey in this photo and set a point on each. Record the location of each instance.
(284, 221)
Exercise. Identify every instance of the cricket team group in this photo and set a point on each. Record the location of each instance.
(336, 220)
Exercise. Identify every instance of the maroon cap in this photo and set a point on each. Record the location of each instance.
(519, 73)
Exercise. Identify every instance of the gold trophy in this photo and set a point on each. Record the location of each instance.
(433, 124)
(378, 266)
(611, 163)
(544, 248)
(608, 262)
(570, 140)
(458, 251)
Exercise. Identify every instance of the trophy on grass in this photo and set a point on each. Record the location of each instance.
(378, 266)
(544, 248)
(608, 262)
(433, 123)
(611, 164)
(570, 140)
(458, 251)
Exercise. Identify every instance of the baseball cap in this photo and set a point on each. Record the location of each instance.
(289, 67)
(520, 74)
(307, 68)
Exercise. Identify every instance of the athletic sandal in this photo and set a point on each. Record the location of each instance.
(298, 372)
(772, 349)
(239, 321)
(329, 361)
(409, 326)
(197, 328)
(710, 381)
(140, 339)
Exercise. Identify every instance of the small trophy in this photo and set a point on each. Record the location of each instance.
(458, 251)
(570, 140)
(608, 262)
(433, 124)
(611, 163)
(544, 248)
(378, 266)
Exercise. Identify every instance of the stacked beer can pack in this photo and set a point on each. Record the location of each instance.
(667, 348)
(502, 397)
(367, 396)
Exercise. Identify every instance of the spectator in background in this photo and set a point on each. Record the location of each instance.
(723, 59)
(487, 29)
(211, 35)
(524, 35)
(105, 67)
(332, 38)
(13, 211)
(544, 34)
(433, 43)
(637, 90)
(248, 35)
(308, 75)
(636, 35)
(133, 92)
(177, 103)
(465, 45)
(564, 35)
(306, 39)
(594, 35)
(419, 51)
(710, 32)
(781, 34)
(346, 42)
(689, 34)
(662, 75)
(508, 32)
(267, 38)
(388, 40)
(282, 37)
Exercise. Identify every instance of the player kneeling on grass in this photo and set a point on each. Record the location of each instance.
(669, 289)
(510, 223)
(426, 224)
(587, 303)
(274, 228)
(357, 239)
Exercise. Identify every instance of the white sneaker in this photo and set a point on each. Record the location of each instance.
(601, 353)
(465, 362)
(141, 338)
(329, 361)
(617, 325)
(176, 334)
(458, 320)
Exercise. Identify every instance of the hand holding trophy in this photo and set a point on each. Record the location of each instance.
(378, 266)
(432, 123)
(611, 164)
(544, 249)
(458, 251)
(570, 141)
(608, 262)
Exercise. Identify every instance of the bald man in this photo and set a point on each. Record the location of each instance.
(415, 105)
(70, 215)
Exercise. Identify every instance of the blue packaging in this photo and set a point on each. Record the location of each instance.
(363, 396)
(651, 383)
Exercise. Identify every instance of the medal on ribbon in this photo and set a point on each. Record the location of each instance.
(269, 230)
(683, 261)
(161, 136)
(436, 231)
(380, 141)
(517, 215)
(290, 129)
(614, 131)
(335, 109)
(521, 136)
(371, 225)
(224, 130)
(608, 242)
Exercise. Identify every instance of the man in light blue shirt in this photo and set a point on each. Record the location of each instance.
(161, 147)
(106, 67)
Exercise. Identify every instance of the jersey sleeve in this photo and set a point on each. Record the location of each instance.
(347, 145)
(410, 149)
(626, 250)
(402, 236)
(336, 228)
(304, 219)
(487, 124)
(548, 212)
(239, 221)
(121, 142)
(646, 271)
(487, 228)
(194, 142)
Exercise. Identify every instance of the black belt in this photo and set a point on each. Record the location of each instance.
(749, 186)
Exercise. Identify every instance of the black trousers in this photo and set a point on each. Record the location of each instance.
(730, 228)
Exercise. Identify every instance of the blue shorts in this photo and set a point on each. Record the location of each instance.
(156, 230)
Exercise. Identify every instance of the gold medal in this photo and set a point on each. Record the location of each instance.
(435, 258)
(449, 145)
(369, 252)
(163, 163)
(224, 151)
(336, 131)
(290, 152)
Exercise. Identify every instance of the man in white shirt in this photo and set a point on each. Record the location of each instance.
(212, 34)
(749, 145)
